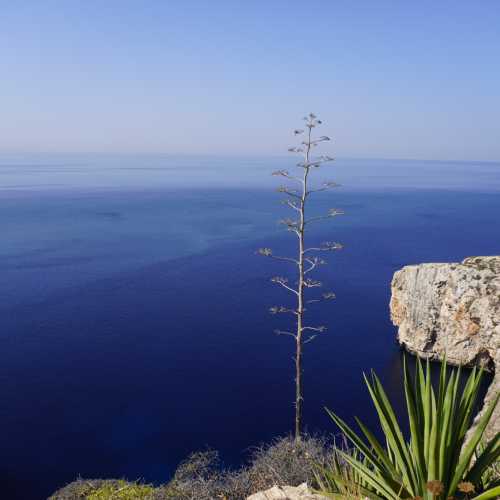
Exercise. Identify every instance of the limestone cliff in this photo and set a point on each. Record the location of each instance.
(453, 308)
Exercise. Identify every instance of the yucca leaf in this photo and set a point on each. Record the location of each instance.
(426, 403)
(488, 494)
(418, 399)
(488, 456)
(356, 440)
(468, 401)
(432, 469)
(377, 447)
(392, 475)
(462, 419)
(416, 440)
(442, 383)
(451, 438)
(446, 416)
(325, 478)
(371, 477)
(349, 486)
(468, 450)
(393, 433)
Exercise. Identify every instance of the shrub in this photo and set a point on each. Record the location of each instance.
(104, 489)
(283, 462)
(438, 461)
(288, 462)
(121, 490)
(199, 476)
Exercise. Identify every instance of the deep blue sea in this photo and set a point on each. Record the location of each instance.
(134, 324)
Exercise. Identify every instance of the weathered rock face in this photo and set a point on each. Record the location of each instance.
(454, 309)
(301, 492)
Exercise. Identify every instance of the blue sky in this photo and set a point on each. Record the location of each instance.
(390, 79)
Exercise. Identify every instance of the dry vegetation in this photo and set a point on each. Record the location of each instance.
(203, 477)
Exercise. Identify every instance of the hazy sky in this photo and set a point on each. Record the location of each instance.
(389, 79)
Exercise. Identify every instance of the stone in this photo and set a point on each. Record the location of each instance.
(301, 492)
(453, 309)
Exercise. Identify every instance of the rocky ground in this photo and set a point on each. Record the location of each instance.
(301, 492)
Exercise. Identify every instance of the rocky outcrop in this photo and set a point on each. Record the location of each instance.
(453, 309)
(301, 492)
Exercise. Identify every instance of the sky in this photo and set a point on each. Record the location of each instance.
(389, 79)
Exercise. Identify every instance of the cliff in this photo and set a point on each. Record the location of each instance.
(452, 308)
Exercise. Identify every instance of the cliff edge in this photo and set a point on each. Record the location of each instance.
(452, 308)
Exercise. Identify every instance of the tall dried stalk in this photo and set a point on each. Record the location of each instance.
(307, 258)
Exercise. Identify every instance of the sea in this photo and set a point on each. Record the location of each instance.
(134, 308)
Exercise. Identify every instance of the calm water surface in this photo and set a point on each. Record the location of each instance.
(134, 324)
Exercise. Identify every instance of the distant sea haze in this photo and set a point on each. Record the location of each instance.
(98, 171)
(135, 325)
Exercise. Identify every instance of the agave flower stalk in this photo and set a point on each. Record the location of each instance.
(306, 259)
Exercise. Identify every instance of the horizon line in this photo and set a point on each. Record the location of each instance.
(237, 155)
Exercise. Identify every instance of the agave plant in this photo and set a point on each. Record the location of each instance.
(340, 480)
(437, 462)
